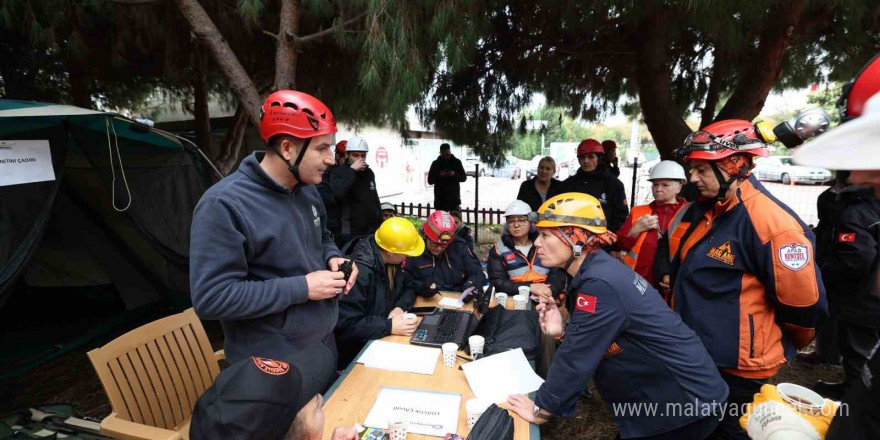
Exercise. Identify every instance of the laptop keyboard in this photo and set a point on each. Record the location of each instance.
(448, 327)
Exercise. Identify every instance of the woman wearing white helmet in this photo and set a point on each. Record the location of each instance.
(513, 263)
(637, 238)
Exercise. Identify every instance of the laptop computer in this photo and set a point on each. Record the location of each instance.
(446, 325)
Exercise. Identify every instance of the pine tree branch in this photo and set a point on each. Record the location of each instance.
(135, 2)
(318, 35)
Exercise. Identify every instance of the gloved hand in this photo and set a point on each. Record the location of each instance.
(428, 290)
(769, 417)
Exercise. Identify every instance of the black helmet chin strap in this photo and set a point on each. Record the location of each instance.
(724, 185)
(294, 167)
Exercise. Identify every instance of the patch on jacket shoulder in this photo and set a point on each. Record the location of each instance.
(317, 220)
(794, 256)
(613, 350)
(846, 237)
(271, 366)
(641, 284)
(510, 257)
(585, 303)
(722, 253)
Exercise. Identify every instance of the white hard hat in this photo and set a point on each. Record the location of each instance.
(667, 169)
(356, 143)
(517, 207)
(387, 206)
(854, 145)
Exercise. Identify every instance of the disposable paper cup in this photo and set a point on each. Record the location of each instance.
(409, 316)
(475, 408)
(524, 291)
(397, 425)
(520, 302)
(449, 351)
(501, 297)
(476, 342)
(804, 400)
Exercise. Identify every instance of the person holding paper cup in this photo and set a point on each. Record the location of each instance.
(376, 306)
(621, 335)
(513, 263)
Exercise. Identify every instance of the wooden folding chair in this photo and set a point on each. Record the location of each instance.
(153, 376)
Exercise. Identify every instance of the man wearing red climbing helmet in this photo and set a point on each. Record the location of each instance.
(261, 259)
(447, 264)
(740, 264)
(596, 179)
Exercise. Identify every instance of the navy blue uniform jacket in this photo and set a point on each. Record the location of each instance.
(636, 348)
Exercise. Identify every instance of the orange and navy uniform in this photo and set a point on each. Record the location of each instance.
(639, 251)
(746, 280)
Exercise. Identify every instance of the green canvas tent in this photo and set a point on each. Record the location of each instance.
(93, 202)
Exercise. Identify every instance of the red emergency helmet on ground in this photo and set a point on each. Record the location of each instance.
(855, 94)
(440, 227)
(723, 139)
(340, 147)
(589, 146)
(296, 114)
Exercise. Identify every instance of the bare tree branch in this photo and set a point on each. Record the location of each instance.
(318, 35)
(270, 34)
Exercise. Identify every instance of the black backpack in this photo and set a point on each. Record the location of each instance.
(506, 330)
(494, 424)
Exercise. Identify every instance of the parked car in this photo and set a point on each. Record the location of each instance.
(510, 169)
(781, 169)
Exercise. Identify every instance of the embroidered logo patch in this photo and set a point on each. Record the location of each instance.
(510, 257)
(613, 350)
(847, 237)
(723, 253)
(794, 256)
(317, 220)
(585, 303)
(271, 366)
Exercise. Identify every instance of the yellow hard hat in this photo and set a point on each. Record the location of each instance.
(573, 209)
(398, 236)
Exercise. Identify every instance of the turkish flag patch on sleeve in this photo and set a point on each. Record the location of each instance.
(846, 237)
(585, 303)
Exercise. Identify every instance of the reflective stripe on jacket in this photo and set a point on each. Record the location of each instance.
(519, 268)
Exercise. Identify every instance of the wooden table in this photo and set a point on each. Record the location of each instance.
(350, 399)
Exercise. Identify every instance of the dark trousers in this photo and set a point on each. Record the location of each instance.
(826, 341)
(742, 391)
(856, 343)
(698, 430)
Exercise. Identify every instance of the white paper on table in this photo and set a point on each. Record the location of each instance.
(25, 161)
(495, 377)
(400, 357)
(450, 303)
(428, 412)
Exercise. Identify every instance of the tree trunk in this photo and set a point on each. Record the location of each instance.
(285, 52)
(231, 150)
(204, 29)
(714, 92)
(756, 81)
(80, 91)
(200, 107)
(652, 78)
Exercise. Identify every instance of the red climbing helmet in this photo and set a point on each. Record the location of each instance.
(440, 227)
(589, 146)
(295, 113)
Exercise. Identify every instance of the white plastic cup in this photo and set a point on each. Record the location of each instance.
(520, 302)
(475, 408)
(476, 343)
(397, 426)
(449, 351)
(409, 316)
(501, 298)
(525, 291)
(802, 399)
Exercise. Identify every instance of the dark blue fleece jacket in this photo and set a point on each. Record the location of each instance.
(252, 244)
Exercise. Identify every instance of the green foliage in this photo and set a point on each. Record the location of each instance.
(250, 10)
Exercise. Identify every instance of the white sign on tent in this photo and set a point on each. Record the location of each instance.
(25, 161)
